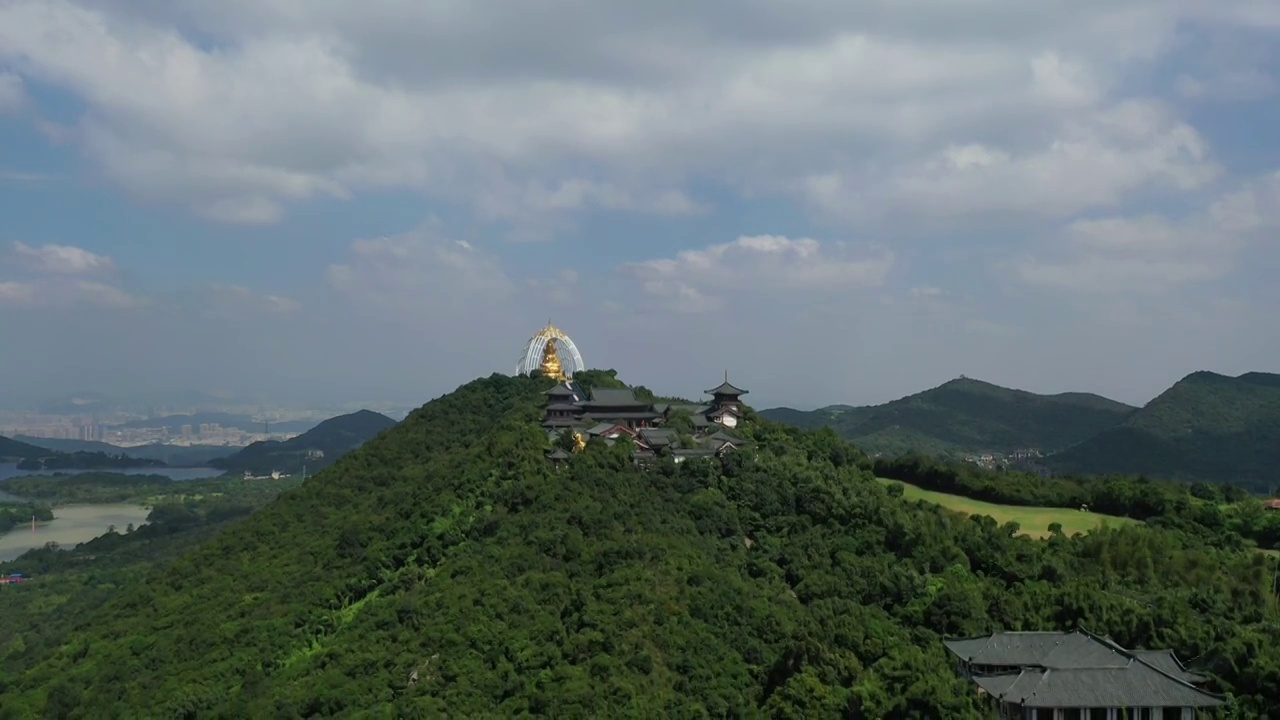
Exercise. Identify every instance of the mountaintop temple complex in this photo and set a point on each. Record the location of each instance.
(681, 430)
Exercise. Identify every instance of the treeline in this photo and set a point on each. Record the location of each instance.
(1209, 509)
(14, 514)
(86, 461)
(102, 487)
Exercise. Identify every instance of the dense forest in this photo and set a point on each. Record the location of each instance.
(447, 568)
(1206, 427)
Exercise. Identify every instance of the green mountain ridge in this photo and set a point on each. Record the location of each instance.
(446, 568)
(966, 415)
(317, 448)
(1206, 427)
(172, 455)
(12, 450)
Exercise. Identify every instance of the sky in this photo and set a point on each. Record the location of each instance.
(836, 201)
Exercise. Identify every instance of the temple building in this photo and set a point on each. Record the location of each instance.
(611, 414)
(1078, 676)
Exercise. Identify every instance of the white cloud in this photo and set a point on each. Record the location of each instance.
(696, 280)
(421, 270)
(104, 296)
(218, 300)
(62, 259)
(12, 95)
(1094, 161)
(927, 291)
(529, 112)
(1154, 253)
(16, 293)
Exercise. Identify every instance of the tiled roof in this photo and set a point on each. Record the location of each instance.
(605, 415)
(1043, 649)
(614, 397)
(725, 388)
(1079, 669)
(1135, 685)
(1167, 662)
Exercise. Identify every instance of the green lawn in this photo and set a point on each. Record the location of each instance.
(1034, 521)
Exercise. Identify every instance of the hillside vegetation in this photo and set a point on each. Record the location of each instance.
(31, 457)
(12, 450)
(1206, 427)
(317, 448)
(966, 415)
(447, 569)
(173, 455)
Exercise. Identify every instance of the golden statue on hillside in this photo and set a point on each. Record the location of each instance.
(550, 366)
(578, 443)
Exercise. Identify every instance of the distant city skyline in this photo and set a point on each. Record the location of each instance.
(839, 202)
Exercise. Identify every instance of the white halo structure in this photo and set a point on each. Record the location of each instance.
(531, 358)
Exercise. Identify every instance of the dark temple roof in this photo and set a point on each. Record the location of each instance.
(1042, 649)
(725, 388)
(1079, 669)
(1136, 685)
(615, 397)
(1168, 663)
(562, 390)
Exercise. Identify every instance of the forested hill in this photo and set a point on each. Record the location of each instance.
(1206, 427)
(446, 568)
(965, 416)
(30, 457)
(317, 448)
(13, 450)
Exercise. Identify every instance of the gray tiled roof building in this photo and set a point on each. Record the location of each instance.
(1079, 676)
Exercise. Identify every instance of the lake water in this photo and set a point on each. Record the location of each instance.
(72, 524)
(8, 470)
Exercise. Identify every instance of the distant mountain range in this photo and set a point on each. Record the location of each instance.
(1206, 427)
(33, 457)
(317, 448)
(13, 451)
(174, 455)
(227, 420)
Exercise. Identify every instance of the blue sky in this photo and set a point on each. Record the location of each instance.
(838, 202)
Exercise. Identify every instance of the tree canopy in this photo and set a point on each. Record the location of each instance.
(446, 567)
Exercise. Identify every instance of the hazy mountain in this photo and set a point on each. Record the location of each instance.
(318, 447)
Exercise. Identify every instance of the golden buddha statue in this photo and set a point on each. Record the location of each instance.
(579, 444)
(551, 362)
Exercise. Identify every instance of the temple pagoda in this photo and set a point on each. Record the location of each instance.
(726, 403)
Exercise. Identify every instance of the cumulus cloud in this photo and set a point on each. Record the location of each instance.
(1154, 253)
(932, 135)
(62, 259)
(59, 276)
(218, 300)
(554, 110)
(1092, 162)
(697, 280)
(16, 293)
(420, 270)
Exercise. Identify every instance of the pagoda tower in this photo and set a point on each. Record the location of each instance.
(726, 395)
